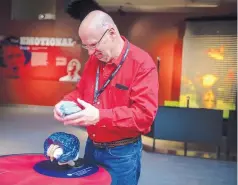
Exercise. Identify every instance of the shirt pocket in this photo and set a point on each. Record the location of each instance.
(120, 94)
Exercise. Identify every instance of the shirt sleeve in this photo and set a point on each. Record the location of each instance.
(144, 95)
(77, 93)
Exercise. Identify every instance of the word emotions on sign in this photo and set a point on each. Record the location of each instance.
(46, 41)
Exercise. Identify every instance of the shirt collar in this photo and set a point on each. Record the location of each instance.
(117, 61)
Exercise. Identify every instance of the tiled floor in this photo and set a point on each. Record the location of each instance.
(23, 130)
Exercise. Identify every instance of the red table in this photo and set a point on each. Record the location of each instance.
(21, 169)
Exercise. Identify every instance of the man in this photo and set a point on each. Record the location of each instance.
(118, 92)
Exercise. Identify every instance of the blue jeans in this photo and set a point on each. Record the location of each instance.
(122, 162)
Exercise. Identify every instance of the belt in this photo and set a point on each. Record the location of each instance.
(116, 143)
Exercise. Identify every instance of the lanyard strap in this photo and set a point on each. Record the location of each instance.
(97, 92)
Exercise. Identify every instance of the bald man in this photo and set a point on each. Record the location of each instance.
(118, 94)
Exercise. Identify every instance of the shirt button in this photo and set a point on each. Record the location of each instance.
(103, 125)
(98, 102)
(94, 135)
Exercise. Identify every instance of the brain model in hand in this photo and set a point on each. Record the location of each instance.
(62, 147)
(68, 107)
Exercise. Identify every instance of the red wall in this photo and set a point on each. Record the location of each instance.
(159, 34)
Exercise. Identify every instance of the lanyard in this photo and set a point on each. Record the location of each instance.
(97, 92)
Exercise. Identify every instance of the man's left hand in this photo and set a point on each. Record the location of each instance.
(88, 116)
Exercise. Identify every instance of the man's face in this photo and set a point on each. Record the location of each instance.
(99, 44)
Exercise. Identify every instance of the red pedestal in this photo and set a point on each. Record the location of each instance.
(19, 169)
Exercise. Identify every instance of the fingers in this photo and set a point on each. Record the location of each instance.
(57, 115)
(83, 103)
(57, 110)
(77, 118)
(73, 119)
(74, 116)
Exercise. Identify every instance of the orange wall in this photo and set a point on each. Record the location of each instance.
(159, 34)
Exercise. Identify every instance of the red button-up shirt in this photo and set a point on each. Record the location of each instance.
(128, 105)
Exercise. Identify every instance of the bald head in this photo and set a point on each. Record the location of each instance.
(100, 36)
(96, 22)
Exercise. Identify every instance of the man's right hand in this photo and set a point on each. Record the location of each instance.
(57, 113)
(64, 108)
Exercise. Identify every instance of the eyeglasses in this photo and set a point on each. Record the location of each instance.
(94, 46)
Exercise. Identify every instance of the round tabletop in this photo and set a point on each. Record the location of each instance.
(35, 169)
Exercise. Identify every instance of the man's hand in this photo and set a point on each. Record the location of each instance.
(88, 116)
(57, 113)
